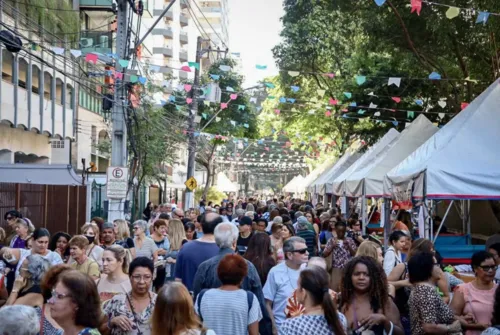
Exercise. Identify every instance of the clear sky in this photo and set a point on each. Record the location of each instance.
(254, 28)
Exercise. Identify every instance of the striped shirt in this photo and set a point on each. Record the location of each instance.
(310, 237)
(227, 312)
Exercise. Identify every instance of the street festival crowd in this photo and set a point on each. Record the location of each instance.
(251, 266)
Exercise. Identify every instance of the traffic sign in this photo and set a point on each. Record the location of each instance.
(191, 184)
(117, 182)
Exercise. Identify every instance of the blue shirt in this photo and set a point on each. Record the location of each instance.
(191, 255)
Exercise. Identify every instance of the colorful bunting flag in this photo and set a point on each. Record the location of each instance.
(261, 67)
(91, 58)
(223, 105)
(396, 99)
(348, 95)
(452, 12)
(416, 6)
(194, 64)
(229, 89)
(293, 73)
(187, 87)
(225, 68)
(360, 80)
(76, 53)
(186, 68)
(269, 85)
(214, 76)
(482, 17)
(189, 100)
(394, 81)
(233, 96)
(295, 88)
(435, 76)
(380, 2)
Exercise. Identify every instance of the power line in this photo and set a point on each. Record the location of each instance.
(216, 33)
(46, 8)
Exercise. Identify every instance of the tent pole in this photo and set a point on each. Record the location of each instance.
(442, 222)
(363, 212)
(386, 218)
(469, 230)
(427, 233)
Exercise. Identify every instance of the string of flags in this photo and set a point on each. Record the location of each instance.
(451, 13)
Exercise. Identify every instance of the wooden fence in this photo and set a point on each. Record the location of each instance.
(57, 208)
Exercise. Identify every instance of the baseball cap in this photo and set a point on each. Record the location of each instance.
(245, 221)
(108, 225)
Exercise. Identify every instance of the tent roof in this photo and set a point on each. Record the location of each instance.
(368, 180)
(294, 185)
(311, 177)
(224, 184)
(324, 183)
(460, 161)
(41, 174)
(378, 148)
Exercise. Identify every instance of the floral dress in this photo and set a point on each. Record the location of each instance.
(118, 306)
(89, 331)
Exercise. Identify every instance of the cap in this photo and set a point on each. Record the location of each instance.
(108, 225)
(245, 221)
(262, 220)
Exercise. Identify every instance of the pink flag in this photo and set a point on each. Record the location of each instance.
(416, 6)
(223, 105)
(333, 101)
(189, 100)
(266, 148)
(464, 105)
(397, 99)
(118, 75)
(187, 87)
(91, 58)
(328, 113)
(233, 96)
(277, 111)
(330, 75)
(186, 68)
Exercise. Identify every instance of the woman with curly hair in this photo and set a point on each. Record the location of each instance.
(365, 298)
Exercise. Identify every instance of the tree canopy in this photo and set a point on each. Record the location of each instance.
(361, 45)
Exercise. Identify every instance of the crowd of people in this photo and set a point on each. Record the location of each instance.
(245, 267)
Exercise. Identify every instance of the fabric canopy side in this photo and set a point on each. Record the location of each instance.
(458, 162)
(368, 180)
(339, 182)
(325, 185)
(39, 174)
(312, 188)
(311, 177)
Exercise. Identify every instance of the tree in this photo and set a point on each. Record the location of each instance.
(238, 120)
(347, 38)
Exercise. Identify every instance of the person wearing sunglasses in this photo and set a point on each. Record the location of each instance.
(11, 217)
(474, 301)
(282, 279)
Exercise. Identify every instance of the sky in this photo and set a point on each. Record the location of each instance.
(254, 28)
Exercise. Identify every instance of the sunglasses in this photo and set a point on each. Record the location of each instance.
(9, 218)
(300, 251)
(488, 268)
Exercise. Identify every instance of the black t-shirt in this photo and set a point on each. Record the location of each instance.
(242, 243)
(127, 243)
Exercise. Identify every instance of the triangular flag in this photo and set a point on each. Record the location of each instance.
(206, 103)
(435, 76)
(395, 123)
(187, 87)
(397, 99)
(376, 114)
(225, 68)
(223, 105)
(277, 111)
(348, 95)
(142, 80)
(282, 100)
(330, 75)
(360, 80)
(419, 102)
(241, 107)
(394, 81)
(271, 97)
(171, 98)
(189, 100)
(290, 100)
(321, 93)
(353, 104)
(333, 102)
(328, 113)
(372, 105)
(260, 67)
(380, 2)
(91, 58)
(269, 85)
(154, 68)
(464, 105)
(295, 88)
(452, 12)
(134, 78)
(217, 119)
(361, 111)
(233, 96)
(410, 115)
(214, 76)
(58, 51)
(246, 125)
(204, 115)
(229, 89)
(482, 17)
(186, 68)
(441, 115)
(442, 103)
(293, 73)
(233, 123)
(416, 6)
(253, 100)
(194, 64)
(123, 62)
(76, 53)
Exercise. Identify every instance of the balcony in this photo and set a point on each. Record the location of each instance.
(184, 4)
(96, 41)
(166, 32)
(97, 5)
(184, 20)
(183, 56)
(183, 37)
(166, 51)
(169, 16)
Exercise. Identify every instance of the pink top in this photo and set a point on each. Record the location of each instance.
(479, 303)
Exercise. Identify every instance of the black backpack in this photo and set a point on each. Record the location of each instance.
(202, 292)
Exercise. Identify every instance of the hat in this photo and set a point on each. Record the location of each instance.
(302, 222)
(245, 221)
(108, 225)
(262, 220)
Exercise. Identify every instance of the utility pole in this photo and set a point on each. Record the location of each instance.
(189, 197)
(119, 140)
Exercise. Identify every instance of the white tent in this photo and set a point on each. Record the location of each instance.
(294, 185)
(461, 160)
(368, 180)
(224, 184)
(311, 177)
(324, 184)
(377, 149)
(311, 188)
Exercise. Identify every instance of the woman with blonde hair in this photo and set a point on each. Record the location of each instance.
(174, 313)
(122, 233)
(91, 231)
(24, 228)
(177, 238)
(370, 249)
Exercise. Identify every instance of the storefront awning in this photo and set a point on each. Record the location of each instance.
(40, 174)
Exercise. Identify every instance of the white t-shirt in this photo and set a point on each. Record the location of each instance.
(227, 312)
(51, 256)
(280, 284)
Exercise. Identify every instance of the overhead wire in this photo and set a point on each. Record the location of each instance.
(216, 33)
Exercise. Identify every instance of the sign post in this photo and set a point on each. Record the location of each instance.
(117, 185)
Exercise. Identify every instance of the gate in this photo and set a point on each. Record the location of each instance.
(55, 207)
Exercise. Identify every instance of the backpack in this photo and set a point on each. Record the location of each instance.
(202, 292)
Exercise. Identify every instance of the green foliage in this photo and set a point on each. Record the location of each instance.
(350, 38)
(213, 195)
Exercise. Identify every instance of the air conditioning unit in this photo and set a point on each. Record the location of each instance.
(86, 42)
(103, 41)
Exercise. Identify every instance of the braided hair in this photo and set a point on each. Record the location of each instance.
(378, 292)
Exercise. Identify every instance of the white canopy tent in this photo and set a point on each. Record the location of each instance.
(287, 187)
(368, 180)
(224, 184)
(458, 162)
(376, 150)
(324, 184)
(311, 188)
(311, 177)
(294, 185)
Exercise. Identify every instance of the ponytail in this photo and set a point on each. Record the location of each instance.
(121, 255)
(315, 281)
